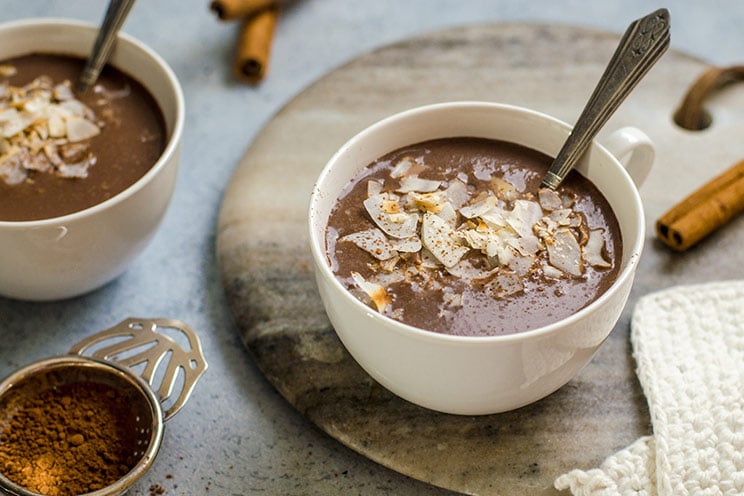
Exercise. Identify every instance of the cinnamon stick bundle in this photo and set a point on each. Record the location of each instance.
(704, 211)
(254, 45)
(228, 10)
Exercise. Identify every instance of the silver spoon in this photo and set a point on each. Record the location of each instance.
(116, 13)
(643, 43)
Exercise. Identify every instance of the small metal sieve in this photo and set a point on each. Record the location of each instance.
(111, 358)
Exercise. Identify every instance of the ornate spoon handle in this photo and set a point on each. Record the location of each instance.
(643, 43)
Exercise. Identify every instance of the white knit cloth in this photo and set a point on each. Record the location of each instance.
(688, 343)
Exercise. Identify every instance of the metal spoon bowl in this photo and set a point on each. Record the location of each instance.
(116, 14)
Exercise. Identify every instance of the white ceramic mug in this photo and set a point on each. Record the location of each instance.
(480, 375)
(73, 254)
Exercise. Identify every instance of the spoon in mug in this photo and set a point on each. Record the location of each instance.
(643, 43)
(116, 13)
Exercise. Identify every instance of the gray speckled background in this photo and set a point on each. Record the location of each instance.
(237, 435)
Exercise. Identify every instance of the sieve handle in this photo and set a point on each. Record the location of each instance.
(141, 342)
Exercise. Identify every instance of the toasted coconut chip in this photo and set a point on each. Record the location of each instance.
(491, 242)
(12, 170)
(545, 228)
(477, 240)
(495, 217)
(40, 83)
(549, 199)
(479, 207)
(429, 261)
(564, 252)
(408, 245)
(413, 271)
(63, 91)
(504, 189)
(594, 248)
(11, 122)
(457, 193)
(440, 239)
(52, 153)
(450, 299)
(377, 293)
(561, 216)
(505, 284)
(521, 264)
(504, 253)
(402, 167)
(389, 264)
(7, 70)
(73, 152)
(527, 246)
(373, 188)
(56, 126)
(551, 271)
(74, 108)
(79, 129)
(524, 216)
(374, 242)
(36, 105)
(465, 270)
(38, 162)
(415, 183)
(79, 170)
(576, 219)
(427, 202)
(391, 206)
(398, 225)
(449, 215)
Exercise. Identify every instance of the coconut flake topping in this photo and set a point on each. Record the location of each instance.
(43, 128)
(444, 223)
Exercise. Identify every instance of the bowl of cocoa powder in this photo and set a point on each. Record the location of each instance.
(451, 276)
(85, 178)
(92, 421)
(75, 425)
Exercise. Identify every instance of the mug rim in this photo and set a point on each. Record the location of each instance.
(319, 253)
(174, 137)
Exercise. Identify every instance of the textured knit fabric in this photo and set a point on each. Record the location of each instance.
(688, 343)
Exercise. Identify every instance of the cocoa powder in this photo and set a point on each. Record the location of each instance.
(68, 440)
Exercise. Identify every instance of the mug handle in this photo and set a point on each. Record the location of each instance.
(634, 149)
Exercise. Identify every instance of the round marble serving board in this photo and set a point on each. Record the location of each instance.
(266, 266)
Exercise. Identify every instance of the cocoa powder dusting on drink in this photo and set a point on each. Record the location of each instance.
(68, 440)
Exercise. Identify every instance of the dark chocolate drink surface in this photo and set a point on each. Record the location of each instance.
(62, 152)
(455, 236)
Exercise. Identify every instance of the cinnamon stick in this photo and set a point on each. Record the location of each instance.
(254, 45)
(703, 211)
(228, 10)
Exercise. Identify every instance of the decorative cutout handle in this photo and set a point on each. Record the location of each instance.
(137, 342)
(691, 113)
